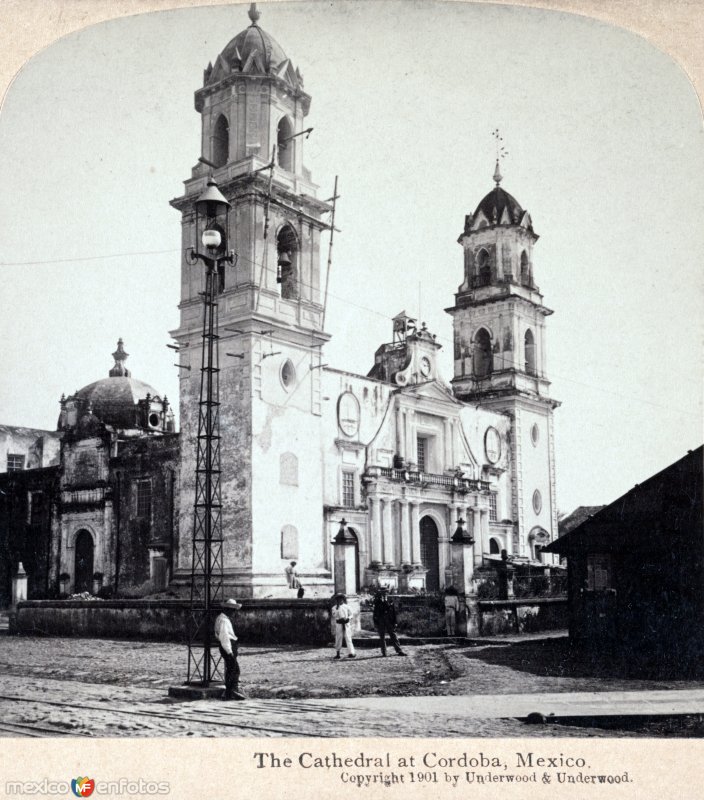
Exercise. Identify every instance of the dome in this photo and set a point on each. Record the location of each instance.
(498, 207)
(495, 203)
(254, 40)
(253, 51)
(116, 401)
(119, 401)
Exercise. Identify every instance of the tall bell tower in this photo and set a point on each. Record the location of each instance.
(499, 354)
(271, 310)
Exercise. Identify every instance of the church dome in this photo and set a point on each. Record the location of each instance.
(119, 401)
(498, 207)
(496, 202)
(252, 50)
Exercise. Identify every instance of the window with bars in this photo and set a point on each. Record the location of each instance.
(15, 462)
(598, 572)
(422, 454)
(348, 489)
(144, 498)
(493, 507)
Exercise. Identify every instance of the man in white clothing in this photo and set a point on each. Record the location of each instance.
(342, 614)
(225, 634)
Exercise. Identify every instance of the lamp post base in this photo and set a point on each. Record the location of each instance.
(197, 691)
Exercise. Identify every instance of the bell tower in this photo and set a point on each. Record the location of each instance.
(270, 333)
(499, 353)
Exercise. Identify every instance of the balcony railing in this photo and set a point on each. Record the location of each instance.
(428, 478)
(83, 496)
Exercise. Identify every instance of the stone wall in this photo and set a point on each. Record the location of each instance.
(280, 621)
(521, 616)
(425, 616)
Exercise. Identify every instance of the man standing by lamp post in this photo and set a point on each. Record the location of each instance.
(225, 634)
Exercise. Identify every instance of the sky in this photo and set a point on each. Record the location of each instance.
(604, 140)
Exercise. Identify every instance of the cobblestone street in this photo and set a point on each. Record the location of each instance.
(98, 687)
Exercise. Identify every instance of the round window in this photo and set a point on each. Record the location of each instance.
(492, 445)
(535, 434)
(348, 414)
(154, 420)
(537, 501)
(288, 374)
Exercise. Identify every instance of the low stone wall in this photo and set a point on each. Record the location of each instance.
(521, 616)
(284, 621)
(425, 616)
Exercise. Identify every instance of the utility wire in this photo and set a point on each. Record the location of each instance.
(347, 301)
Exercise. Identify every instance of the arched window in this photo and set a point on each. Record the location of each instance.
(483, 359)
(525, 269)
(529, 344)
(483, 268)
(284, 148)
(221, 141)
(287, 273)
(289, 542)
(494, 547)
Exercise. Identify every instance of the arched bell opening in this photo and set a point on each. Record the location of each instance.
(221, 141)
(285, 144)
(287, 262)
(483, 360)
(529, 345)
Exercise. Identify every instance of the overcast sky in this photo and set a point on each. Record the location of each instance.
(605, 149)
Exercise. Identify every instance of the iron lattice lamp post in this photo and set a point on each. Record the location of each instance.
(212, 218)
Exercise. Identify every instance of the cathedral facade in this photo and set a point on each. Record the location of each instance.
(400, 454)
(401, 459)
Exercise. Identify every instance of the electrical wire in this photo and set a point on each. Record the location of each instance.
(361, 307)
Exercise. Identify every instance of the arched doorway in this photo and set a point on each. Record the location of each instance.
(357, 575)
(429, 553)
(494, 547)
(84, 563)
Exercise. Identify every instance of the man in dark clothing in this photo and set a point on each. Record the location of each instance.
(385, 621)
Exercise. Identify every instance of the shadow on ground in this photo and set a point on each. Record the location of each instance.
(557, 658)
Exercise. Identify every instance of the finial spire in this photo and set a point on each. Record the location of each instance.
(253, 13)
(498, 177)
(501, 152)
(120, 356)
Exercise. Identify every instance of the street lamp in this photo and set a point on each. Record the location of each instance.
(211, 225)
(212, 219)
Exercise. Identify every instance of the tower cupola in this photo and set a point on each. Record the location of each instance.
(499, 313)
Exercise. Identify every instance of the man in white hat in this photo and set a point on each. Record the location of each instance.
(225, 634)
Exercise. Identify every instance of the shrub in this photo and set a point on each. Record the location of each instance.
(488, 590)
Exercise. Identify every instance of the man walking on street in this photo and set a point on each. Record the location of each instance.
(384, 615)
(225, 634)
(342, 614)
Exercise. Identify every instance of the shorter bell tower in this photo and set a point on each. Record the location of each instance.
(499, 353)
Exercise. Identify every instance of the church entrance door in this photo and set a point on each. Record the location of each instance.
(84, 563)
(429, 553)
